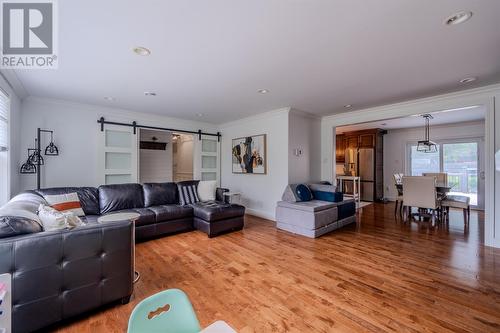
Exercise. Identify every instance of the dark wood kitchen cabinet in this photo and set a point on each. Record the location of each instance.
(365, 139)
(340, 148)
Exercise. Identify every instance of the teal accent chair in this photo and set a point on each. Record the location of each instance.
(169, 311)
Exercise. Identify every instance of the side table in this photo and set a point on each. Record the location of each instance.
(121, 217)
(232, 197)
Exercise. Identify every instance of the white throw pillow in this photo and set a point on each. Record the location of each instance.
(206, 190)
(53, 219)
(67, 202)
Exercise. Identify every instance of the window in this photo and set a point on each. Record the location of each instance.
(4, 147)
(459, 159)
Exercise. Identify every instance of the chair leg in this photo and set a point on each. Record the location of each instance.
(396, 208)
(401, 208)
(468, 214)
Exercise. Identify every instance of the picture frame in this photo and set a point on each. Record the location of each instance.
(249, 155)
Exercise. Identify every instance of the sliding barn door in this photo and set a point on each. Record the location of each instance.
(118, 155)
(207, 158)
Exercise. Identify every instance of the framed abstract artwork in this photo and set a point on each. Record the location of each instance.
(249, 155)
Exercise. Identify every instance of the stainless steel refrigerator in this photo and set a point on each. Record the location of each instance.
(361, 161)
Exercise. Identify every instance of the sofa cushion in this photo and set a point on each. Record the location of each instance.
(67, 202)
(206, 190)
(15, 225)
(303, 192)
(188, 192)
(89, 196)
(171, 212)
(147, 216)
(215, 210)
(309, 206)
(120, 197)
(156, 194)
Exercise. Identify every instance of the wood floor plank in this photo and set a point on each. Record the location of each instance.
(380, 275)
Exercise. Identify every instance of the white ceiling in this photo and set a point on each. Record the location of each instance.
(211, 57)
(442, 117)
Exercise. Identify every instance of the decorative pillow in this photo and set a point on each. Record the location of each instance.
(17, 225)
(53, 219)
(68, 202)
(303, 192)
(206, 190)
(188, 194)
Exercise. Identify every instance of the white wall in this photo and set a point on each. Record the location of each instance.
(395, 147)
(305, 135)
(76, 135)
(155, 166)
(14, 138)
(259, 192)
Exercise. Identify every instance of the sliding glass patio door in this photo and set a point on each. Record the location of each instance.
(461, 159)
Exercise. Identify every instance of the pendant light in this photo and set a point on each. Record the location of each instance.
(51, 149)
(36, 156)
(426, 145)
(28, 167)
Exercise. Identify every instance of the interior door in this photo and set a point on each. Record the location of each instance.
(207, 158)
(118, 162)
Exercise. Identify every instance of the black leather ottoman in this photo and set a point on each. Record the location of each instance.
(216, 217)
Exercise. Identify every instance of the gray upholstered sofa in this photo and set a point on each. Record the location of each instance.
(313, 218)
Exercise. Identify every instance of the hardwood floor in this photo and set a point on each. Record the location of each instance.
(380, 275)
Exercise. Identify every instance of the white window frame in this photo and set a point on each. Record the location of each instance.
(5, 195)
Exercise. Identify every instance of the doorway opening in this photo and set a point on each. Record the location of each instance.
(458, 133)
(165, 156)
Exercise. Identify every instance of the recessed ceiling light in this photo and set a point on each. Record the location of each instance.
(109, 98)
(149, 93)
(262, 91)
(347, 106)
(468, 79)
(142, 51)
(458, 18)
(199, 114)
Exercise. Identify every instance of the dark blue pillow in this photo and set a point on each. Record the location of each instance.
(303, 192)
(328, 196)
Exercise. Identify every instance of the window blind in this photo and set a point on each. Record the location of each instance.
(4, 121)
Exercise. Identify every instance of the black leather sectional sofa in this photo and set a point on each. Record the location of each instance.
(63, 273)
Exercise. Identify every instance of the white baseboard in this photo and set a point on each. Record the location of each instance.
(260, 213)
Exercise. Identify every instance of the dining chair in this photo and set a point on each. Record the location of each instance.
(457, 201)
(398, 178)
(420, 192)
(168, 311)
(441, 177)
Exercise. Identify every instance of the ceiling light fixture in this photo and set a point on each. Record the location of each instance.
(109, 98)
(347, 106)
(426, 145)
(199, 114)
(149, 93)
(458, 18)
(468, 80)
(262, 91)
(142, 51)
